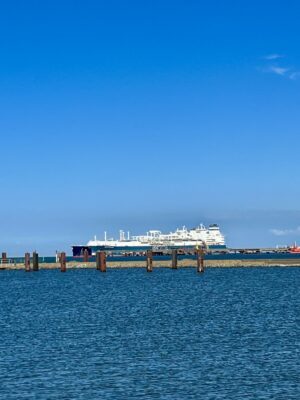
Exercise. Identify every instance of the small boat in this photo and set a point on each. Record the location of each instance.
(294, 248)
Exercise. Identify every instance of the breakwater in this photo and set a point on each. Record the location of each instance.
(158, 262)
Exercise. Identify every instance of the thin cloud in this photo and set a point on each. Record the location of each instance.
(273, 66)
(271, 57)
(294, 75)
(278, 70)
(285, 232)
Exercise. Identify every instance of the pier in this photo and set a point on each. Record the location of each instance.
(200, 259)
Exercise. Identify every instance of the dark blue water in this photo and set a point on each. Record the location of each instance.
(126, 334)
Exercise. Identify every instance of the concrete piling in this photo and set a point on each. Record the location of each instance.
(63, 264)
(200, 260)
(27, 262)
(149, 260)
(174, 259)
(35, 261)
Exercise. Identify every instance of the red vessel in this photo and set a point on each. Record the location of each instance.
(294, 249)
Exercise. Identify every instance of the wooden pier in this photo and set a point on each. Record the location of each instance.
(199, 258)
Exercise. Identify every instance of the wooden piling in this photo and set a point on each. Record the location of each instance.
(27, 262)
(174, 259)
(63, 264)
(86, 255)
(102, 261)
(35, 261)
(98, 260)
(149, 260)
(4, 258)
(200, 260)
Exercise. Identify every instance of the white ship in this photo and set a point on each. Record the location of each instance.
(210, 237)
(201, 235)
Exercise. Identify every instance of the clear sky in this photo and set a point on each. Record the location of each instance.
(136, 115)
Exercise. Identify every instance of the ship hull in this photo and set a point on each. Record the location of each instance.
(79, 250)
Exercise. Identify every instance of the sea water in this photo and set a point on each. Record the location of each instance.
(127, 334)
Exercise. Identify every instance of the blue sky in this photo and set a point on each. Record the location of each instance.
(138, 115)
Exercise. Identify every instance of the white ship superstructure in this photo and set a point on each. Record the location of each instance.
(210, 237)
(183, 237)
(200, 235)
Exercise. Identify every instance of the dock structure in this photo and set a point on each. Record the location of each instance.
(174, 259)
(4, 258)
(101, 261)
(63, 263)
(98, 261)
(200, 260)
(27, 262)
(35, 261)
(149, 261)
(86, 255)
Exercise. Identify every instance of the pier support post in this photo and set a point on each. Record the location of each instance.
(35, 261)
(4, 258)
(27, 262)
(98, 260)
(102, 261)
(63, 264)
(149, 258)
(200, 260)
(174, 259)
(85, 255)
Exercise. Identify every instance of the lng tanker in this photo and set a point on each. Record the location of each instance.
(183, 238)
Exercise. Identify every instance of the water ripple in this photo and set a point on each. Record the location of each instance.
(126, 334)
